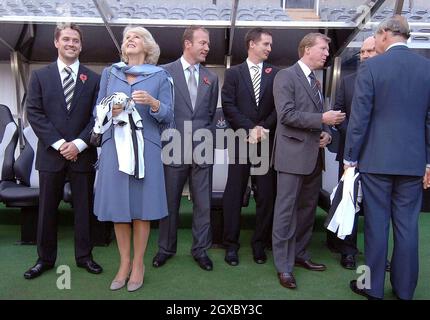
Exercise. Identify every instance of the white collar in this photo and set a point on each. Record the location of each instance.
(251, 64)
(74, 66)
(306, 70)
(185, 64)
(397, 44)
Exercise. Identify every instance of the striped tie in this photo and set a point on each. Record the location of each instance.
(256, 81)
(316, 91)
(68, 87)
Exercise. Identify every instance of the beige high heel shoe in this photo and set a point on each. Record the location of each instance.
(117, 284)
(133, 286)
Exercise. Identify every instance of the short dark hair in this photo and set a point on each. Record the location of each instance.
(60, 27)
(309, 40)
(255, 35)
(189, 33)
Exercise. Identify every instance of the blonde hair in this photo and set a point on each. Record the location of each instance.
(151, 48)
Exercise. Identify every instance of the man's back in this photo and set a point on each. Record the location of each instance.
(393, 97)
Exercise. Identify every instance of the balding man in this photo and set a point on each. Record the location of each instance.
(348, 247)
(388, 139)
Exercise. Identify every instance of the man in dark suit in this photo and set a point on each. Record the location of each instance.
(60, 103)
(301, 135)
(247, 100)
(196, 98)
(348, 247)
(388, 139)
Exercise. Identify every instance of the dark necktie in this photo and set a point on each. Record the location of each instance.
(256, 81)
(316, 91)
(68, 87)
(192, 85)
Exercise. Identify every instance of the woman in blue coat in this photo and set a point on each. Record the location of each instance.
(128, 199)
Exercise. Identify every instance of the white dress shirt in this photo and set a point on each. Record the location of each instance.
(185, 66)
(79, 143)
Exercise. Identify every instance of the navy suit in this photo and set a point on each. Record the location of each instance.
(241, 111)
(51, 122)
(389, 135)
(343, 102)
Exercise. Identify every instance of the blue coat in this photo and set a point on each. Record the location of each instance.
(118, 196)
(389, 125)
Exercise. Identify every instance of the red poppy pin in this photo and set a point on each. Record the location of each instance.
(268, 70)
(206, 81)
(83, 77)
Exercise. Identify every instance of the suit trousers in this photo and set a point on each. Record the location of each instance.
(51, 193)
(237, 181)
(395, 198)
(200, 182)
(294, 216)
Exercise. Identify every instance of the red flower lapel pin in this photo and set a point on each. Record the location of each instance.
(83, 77)
(268, 70)
(206, 81)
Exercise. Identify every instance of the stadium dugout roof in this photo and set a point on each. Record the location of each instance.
(27, 26)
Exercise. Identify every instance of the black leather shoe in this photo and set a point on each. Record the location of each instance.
(91, 266)
(37, 270)
(348, 261)
(205, 263)
(361, 292)
(286, 279)
(388, 266)
(260, 257)
(160, 259)
(308, 264)
(231, 257)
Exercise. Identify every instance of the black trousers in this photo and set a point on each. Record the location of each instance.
(51, 193)
(264, 193)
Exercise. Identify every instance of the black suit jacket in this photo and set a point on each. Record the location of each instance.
(51, 121)
(238, 99)
(343, 102)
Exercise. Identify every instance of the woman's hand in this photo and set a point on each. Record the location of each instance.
(143, 97)
(117, 109)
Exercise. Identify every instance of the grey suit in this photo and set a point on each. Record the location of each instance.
(299, 162)
(199, 175)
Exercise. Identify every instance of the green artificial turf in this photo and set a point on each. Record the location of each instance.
(181, 278)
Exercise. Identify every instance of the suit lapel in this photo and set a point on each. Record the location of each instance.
(181, 83)
(79, 86)
(57, 83)
(304, 81)
(244, 71)
(202, 86)
(264, 79)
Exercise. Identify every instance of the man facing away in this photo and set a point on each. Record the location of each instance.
(388, 140)
(301, 135)
(196, 98)
(247, 100)
(61, 97)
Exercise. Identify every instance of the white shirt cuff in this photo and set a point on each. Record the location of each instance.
(80, 144)
(350, 163)
(58, 144)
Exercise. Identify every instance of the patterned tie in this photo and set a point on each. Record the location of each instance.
(192, 85)
(68, 87)
(256, 81)
(316, 91)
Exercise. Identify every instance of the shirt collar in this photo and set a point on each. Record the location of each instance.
(251, 64)
(74, 66)
(185, 64)
(306, 70)
(397, 44)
